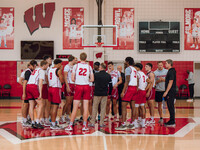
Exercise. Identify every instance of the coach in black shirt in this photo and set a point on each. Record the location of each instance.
(101, 80)
(170, 91)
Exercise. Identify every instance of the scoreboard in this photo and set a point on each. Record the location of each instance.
(159, 36)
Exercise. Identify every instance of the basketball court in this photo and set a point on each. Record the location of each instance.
(106, 30)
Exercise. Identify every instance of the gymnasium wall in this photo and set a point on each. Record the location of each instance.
(145, 10)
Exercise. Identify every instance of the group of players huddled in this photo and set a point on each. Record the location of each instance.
(42, 88)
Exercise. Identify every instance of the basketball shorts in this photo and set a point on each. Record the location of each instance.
(130, 94)
(32, 92)
(159, 96)
(151, 95)
(54, 95)
(141, 97)
(45, 91)
(82, 92)
(114, 94)
(72, 88)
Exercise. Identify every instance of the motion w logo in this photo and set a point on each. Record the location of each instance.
(33, 20)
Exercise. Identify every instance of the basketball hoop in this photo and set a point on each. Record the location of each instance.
(99, 44)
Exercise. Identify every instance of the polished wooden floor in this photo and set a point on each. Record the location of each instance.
(187, 137)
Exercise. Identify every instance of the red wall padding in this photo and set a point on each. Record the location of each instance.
(181, 68)
(8, 73)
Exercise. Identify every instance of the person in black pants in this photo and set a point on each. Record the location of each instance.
(170, 92)
(120, 88)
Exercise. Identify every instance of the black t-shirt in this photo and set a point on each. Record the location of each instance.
(171, 75)
(27, 75)
(102, 80)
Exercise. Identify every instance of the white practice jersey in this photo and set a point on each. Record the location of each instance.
(23, 73)
(45, 81)
(82, 73)
(68, 68)
(37, 74)
(142, 80)
(133, 77)
(53, 79)
(115, 76)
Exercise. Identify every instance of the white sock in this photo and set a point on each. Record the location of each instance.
(53, 123)
(24, 119)
(152, 118)
(67, 116)
(71, 123)
(46, 119)
(139, 118)
(84, 123)
(63, 117)
(33, 122)
(38, 121)
(42, 119)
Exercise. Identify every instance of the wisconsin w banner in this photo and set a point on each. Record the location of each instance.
(6, 28)
(73, 19)
(124, 19)
(192, 28)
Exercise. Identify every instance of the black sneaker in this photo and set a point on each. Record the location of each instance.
(39, 126)
(170, 124)
(81, 119)
(33, 126)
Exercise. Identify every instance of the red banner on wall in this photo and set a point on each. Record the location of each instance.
(73, 19)
(124, 19)
(192, 28)
(6, 28)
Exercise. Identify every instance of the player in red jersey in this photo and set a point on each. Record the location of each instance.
(82, 74)
(34, 93)
(150, 89)
(55, 80)
(116, 80)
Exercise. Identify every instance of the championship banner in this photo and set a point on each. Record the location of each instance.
(6, 28)
(73, 19)
(124, 19)
(192, 28)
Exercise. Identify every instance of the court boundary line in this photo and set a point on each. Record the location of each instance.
(181, 133)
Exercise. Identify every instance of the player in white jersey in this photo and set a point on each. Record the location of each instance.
(82, 74)
(195, 34)
(25, 104)
(141, 95)
(47, 104)
(34, 93)
(129, 92)
(116, 80)
(150, 91)
(55, 80)
(69, 89)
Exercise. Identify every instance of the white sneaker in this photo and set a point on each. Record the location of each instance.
(190, 100)
(197, 47)
(69, 128)
(193, 46)
(152, 121)
(85, 128)
(56, 127)
(136, 125)
(47, 123)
